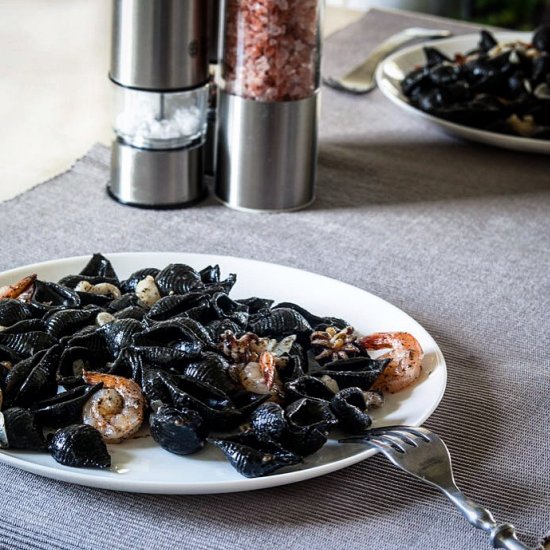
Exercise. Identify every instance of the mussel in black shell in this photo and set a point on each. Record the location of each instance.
(80, 446)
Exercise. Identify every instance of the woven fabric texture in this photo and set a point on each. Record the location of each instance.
(456, 234)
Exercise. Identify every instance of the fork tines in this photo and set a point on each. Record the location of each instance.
(392, 436)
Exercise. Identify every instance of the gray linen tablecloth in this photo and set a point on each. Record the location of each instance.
(456, 234)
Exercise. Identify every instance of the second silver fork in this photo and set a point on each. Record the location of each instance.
(361, 80)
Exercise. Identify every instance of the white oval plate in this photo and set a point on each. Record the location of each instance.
(393, 69)
(140, 465)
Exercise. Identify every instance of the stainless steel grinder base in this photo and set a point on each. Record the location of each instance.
(169, 178)
(266, 153)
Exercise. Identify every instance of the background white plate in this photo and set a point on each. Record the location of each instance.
(140, 465)
(393, 69)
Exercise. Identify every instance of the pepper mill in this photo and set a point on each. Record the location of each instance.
(268, 104)
(159, 70)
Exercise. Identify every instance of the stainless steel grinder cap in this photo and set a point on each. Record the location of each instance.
(159, 69)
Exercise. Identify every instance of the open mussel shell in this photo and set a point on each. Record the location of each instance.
(178, 279)
(80, 446)
(33, 379)
(349, 406)
(486, 41)
(307, 386)
(279, 322)
(18, 430)
(64, 408)
(179, 431)
(252, 457)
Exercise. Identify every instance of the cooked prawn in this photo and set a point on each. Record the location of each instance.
(261, 376)
(18, 288)
(116, 410)
(405, 359)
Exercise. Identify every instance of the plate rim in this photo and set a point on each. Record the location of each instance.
(79, 477)
(495, 139)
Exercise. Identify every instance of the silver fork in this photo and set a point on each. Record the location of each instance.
(361, 79)
(424, 455)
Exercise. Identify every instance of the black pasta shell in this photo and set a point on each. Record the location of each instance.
(210, 274)
(12, 311)
(27, 344)
(79, 446)
(33, 379)
(319, 323)
(307, 386)
(254, 458)
(178, 305)
(279, 322)
(64, 408)
(20, 430)
(310, 413)
(63, 322)
(99, 266)
(269, 421)
(179, 431)
(349, 406)
(178, 279)
(47, 296)
(129, 285)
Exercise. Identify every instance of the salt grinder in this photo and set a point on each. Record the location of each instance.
(268, 104)
(159, 69)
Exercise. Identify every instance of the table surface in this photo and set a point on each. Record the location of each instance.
(454, 233)
(55, 98)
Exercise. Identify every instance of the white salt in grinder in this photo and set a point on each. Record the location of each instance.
(159, 69)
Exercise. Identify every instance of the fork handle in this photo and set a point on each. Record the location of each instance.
(502, 535)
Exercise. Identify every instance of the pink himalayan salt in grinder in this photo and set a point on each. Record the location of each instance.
(268, 81)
